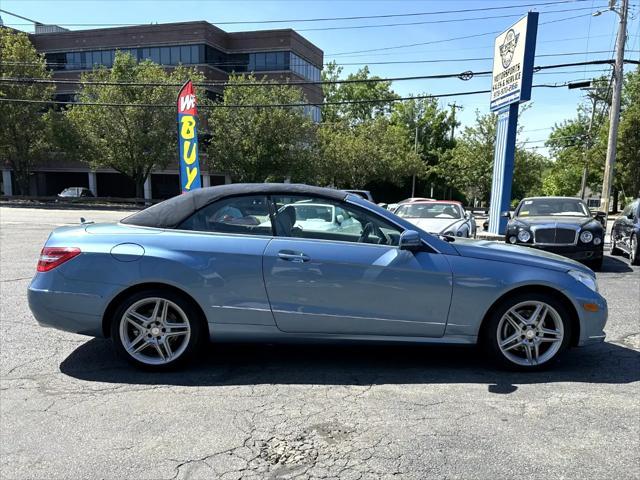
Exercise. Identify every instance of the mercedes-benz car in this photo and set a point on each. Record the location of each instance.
(447, 217)
(562, 225)
(203, 266)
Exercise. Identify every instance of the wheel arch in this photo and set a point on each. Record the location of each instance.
(558, 294)
(107, 317)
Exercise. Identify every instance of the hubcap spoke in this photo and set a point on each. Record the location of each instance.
(511, 339)
(137, 320)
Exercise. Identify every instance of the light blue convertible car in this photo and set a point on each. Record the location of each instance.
(231, 263)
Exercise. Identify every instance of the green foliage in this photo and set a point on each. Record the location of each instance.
(132, 140)
(23, 127)
(628, 161)
(354, 155)
(261, 144)
(360, 92)
(469, 166)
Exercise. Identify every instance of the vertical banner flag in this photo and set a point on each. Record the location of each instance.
(188, 139)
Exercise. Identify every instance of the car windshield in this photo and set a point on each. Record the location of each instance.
(561, 207)
(429, 210)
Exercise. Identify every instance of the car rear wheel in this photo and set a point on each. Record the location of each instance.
(634, 253)
(528, 331)
(156, 330)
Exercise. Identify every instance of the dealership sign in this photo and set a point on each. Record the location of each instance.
(514, 53)
(513, 57)
(188, 139)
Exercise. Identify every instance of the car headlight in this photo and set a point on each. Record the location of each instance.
(586, 236)
(524, 236)
(585, 279)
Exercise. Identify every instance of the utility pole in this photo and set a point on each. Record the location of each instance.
(614, 116)
(454, 106)
(413, 179)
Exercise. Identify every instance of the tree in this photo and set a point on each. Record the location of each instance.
(573, 145)
(23, 126)
(354, 155)
(469, 166)
(261, 144)
(628, 162)
(132, 140)
(362, 92)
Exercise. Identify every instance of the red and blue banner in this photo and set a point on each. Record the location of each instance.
(188, 139)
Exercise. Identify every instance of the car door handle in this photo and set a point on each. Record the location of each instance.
(291, 256)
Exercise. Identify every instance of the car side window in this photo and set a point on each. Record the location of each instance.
(301, 216)
(247, 215)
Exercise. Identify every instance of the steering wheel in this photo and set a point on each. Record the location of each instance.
(370, 228)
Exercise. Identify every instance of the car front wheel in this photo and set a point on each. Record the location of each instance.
(156, 330)
(527, 331)
(634, 253)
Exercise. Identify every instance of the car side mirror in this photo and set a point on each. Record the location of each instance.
(340, 219)
(599, 215)
(506, 214)
(410, 240)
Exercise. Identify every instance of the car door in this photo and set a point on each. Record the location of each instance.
(224, 243)
(353, 280)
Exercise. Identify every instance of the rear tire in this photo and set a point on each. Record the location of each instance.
(527, 332)
(157, 330)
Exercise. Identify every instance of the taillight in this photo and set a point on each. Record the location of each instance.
(52, 257)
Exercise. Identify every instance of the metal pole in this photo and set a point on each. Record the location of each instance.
(585, 170)
(614, 115)
(413, 180)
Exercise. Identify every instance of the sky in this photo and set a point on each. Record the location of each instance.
(565, 28)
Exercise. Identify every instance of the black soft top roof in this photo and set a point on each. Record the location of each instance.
(172, 212)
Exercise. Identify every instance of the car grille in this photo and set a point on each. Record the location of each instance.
(555, 236)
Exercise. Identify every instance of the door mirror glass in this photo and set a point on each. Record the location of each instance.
(410, 240)
(340, 219)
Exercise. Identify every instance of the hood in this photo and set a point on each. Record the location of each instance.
(556, 220)
(506, 253)
(432, 225)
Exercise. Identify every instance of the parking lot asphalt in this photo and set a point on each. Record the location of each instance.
(69, 409)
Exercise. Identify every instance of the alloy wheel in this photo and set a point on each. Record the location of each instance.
(530, 333)
(155, 331)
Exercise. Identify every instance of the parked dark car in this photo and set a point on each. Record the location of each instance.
(75, 192)
(625, 233)
(561, 225)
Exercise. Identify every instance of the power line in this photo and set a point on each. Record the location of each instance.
(232, 64)
(327, 19)
(271, 105)
(467, 75)
(445, 40)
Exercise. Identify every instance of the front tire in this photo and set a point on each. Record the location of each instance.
(614, 250)
(634, 251)
(527, 332)
(157, 330)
